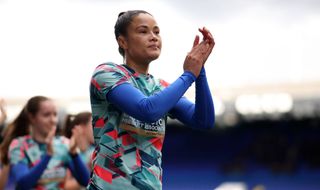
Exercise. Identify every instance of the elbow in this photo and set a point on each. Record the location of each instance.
(84, 184)
(21, 185)
(151, 117)
(83, 179)
(207, 125)
(209, 122)
(210, 125)
(149, 112)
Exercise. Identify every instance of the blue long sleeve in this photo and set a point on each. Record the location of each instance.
(150, 109)
(79, 170)
(201, 114)
(27, 178)
(204, 116)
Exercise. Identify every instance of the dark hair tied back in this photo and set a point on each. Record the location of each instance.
(123, 21)
(119, 15)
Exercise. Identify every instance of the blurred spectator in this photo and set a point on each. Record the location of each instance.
(3, 117)
(39, 159)
(7, 134)
(4, 175)
(79, 125)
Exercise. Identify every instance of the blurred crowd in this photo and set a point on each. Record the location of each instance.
(37, 153)
(34, 137)
(284, 146)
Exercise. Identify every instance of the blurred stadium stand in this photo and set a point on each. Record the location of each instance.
(275, 154)
(267, 137)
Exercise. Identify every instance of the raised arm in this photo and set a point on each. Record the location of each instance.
(152, 108)
(77, 167)
(201, 114)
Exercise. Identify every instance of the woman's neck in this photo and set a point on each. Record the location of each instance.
(138, 67)
(41, 138)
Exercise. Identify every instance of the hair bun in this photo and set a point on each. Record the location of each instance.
(120, 14)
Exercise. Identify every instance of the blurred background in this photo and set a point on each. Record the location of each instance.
(263, 74)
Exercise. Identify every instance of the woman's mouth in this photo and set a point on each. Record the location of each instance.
(155, 47)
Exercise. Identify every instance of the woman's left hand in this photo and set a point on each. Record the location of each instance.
(76, 135)
(209, 42)
(207, 35)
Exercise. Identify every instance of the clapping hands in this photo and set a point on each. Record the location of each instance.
(200, 52)
(49, 140)
(75, 139)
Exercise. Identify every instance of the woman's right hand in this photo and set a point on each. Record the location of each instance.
(49, 140)
(199, 52)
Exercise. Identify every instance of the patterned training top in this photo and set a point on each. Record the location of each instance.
(128, 151)
(28, 151)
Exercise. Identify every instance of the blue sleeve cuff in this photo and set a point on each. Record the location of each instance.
(190, 74)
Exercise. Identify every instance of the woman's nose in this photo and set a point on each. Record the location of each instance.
(54, 119)
(154, 37)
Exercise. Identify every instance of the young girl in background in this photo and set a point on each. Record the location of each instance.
(80, 126)
(39, 159)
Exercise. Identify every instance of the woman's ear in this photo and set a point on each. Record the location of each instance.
(122, 42)
(31, 118)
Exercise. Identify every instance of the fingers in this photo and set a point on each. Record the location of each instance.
(205, 32)
(49, 140)
(76, 133)
(202, 48)
(72, 146)
(206, 35)
(74, 140)
(51, 134)
(196, 41)
(200, 52)
(73, 143)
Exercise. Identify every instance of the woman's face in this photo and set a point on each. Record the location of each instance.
(143, 41)
(46, 118)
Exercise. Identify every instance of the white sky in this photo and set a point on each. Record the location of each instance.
(51, 47)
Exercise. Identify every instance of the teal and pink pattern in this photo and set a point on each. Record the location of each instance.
(26, 150)
(86, 156)
(128, 151)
